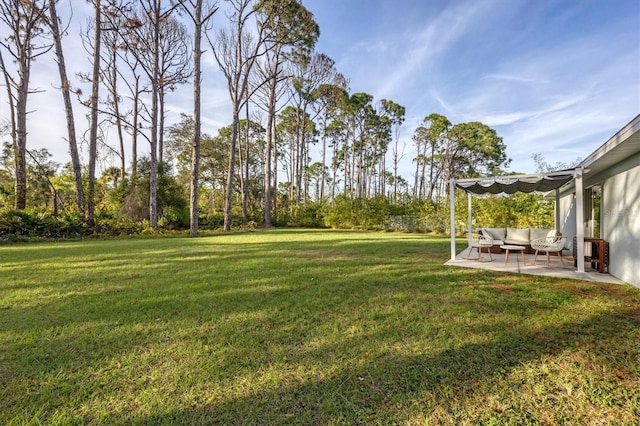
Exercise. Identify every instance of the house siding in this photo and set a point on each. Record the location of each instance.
(567, 218)
(621, 223)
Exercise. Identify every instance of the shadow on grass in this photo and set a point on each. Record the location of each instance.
(381, 389)
(265, 310)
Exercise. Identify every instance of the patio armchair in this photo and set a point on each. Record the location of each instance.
(549, 245)
(479, 241)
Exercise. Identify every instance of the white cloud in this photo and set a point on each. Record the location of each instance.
(518, 78)
(562, 101)
(424, 46)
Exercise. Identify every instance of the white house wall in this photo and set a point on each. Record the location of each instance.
(621, 223)
(567, 223)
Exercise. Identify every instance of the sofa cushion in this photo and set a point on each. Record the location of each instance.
(517, 236)
(539, 234)
(495, 233)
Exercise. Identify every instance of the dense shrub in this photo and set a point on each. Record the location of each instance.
(24, 224)
(341, 213)
(71, 225)
(239, 222)
(210, 220)
(378, 213)
(116, 225)
(172, 203)
(517, 210)
(357, 213)
(281, 219)
(19, 225)
(174, 217)
(309, 215)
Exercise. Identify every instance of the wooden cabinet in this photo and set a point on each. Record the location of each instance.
(596, 252)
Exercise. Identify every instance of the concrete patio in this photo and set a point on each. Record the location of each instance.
(516, 265)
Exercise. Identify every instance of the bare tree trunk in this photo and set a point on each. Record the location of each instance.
(267, 163)
(293, 179)
(383, 170)
(302, 179)
(228, 201)
(113, 89)
(353, 184)
(134, 132)
(23, 22)
(324, 156)
(299, 139)
(431, 166)
(123, 162)
(423, 167)
(274, 194)
(10, 97)
(195, 153)
(245, 168)
(153, 174)
(20, 146)
(334, 167)
(396, 161)
(161, 93)
(347, 173)
(415, 183)
(93, 131)
(241, 163)
(361, 172)
(236, 54)
(68, 108)
(111, 42)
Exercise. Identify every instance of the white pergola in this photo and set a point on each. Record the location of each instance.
(510, 184)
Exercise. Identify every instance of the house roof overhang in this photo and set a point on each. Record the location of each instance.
(624, 144)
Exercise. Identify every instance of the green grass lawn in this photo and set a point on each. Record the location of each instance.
(305, 327)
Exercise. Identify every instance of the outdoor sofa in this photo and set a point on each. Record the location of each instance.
(517, 236)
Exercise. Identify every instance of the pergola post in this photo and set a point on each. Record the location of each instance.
(579, 219)
(452, 193)
(556, 218)
(469, 219)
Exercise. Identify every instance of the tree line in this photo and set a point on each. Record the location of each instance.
(299, 140)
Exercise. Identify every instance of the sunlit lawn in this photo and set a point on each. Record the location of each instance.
(305, 327)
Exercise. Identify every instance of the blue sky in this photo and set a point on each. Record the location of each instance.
(555, 77)
(551, 77)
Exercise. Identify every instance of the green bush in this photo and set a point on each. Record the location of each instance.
(517, 210)
(340, 214)
(281, 219)
(29, 224)
(174, 217)
(211, 220)
(24, 225)
(14, 223)
(357, 213)
(114, 225)
(309, 215)
(72, 225)
(374, 210)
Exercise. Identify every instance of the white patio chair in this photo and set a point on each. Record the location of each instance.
(549, 245)
(479, 241)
